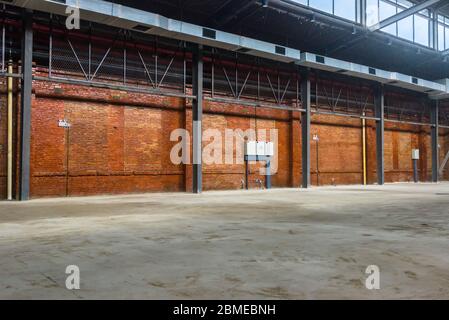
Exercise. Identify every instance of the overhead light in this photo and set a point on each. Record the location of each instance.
(354, 31)
(313, 18)
(265, 3)
(390, 42)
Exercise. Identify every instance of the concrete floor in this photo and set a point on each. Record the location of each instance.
(289, 243)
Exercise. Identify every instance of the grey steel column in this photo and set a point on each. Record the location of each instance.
(197, 83)
(433, 31)
(434, 136)
(380, 128)
(362, 10)
(305, 128)
(27, 83)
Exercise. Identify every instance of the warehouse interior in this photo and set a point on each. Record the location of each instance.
(91, 111)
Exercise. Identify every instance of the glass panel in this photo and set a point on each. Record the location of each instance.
(421, 30)
(323, 5)
(405, 28)
(440, 37)
(372, 12)
(387, 10)
(446, 32)
(345, 9)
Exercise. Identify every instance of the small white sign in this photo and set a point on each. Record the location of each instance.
(415, 154)
(269, 149)
(63, 124)
(315, 137)
(260, 148)
(251, 148)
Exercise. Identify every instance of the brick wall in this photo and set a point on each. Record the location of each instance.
(444, 149)
(3, 138)
(119, 142)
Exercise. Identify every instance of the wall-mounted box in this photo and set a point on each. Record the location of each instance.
(269, 149)
(251, 148)
(415, 154)
(260, 148)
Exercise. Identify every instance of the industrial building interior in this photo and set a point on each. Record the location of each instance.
(333, 116)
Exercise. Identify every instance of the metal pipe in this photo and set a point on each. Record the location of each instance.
(10, 130)
(364, 150)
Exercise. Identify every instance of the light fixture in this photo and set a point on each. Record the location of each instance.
(265, 3)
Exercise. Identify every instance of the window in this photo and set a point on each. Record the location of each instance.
(372, 12)
(414, 28)
(421, 30)
(387, 10)
(342, 8)
(345, 9)
(446, 37)
(323, 5)
(405, 28)
(443, 33)
(441, 37)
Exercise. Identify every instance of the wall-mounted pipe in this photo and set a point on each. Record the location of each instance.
(364, 150)
(10, 129)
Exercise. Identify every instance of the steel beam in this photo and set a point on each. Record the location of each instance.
(305, 127)
(434, 137)
(403, 14)
(379, 105)
(27, 82)
(197, 86)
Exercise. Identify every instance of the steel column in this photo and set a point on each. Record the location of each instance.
(362, 12)
(197, 84)
(379, 105)
(27, 82)
(434, 136)
(434, 30)
(305, 127)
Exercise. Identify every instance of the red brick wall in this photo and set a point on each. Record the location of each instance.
(110, 147)
(3, 138)
(444, 149)
(400, 139)
(339, 158)
(119, 142)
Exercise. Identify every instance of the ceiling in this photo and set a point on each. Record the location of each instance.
(300, 30)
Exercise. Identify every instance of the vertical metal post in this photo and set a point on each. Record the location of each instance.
(50, 48)
(362, 12)
(433, 30)
(10, 133)
(305, 127)
(197, 111)
(27, 83)
(415, 171)
(379, 101)
(434, 137)
(3, 46)
(268, 176)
